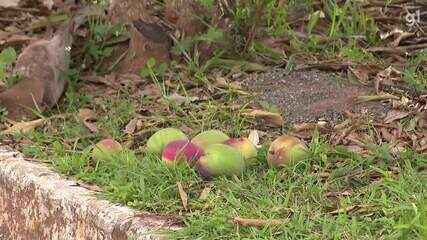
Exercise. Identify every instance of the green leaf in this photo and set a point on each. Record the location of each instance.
(7, 56)
(213, 35)
(145, 72)
(161, 69)
(151, 62)
(207, 3)
(314, 18)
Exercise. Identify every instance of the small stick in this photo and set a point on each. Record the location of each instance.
(398, 49)
(370, 98)
(248, 222)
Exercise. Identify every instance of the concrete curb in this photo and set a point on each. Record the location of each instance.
(37, 203)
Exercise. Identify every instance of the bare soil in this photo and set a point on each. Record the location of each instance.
(311, 96)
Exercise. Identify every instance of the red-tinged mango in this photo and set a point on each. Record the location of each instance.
(181, 151)
(106, 149)
(158, 141)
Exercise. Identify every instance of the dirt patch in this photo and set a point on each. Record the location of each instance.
(310, 96)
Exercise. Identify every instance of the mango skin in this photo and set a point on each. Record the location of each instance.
(204, 139)
(180, 151)
(158, 141)
(245, 147)
(286, 150)
(220, 160)
(106, 149)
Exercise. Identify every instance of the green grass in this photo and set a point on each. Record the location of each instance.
(388, 193)
(414, 74)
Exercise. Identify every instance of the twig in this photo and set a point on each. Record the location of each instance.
(31, 10)
(249, 222)
(397, 49)
(2, 19)
(327, 66)
(118, 60)
(370, 98)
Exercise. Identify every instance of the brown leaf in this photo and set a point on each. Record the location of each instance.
(362, 74)
(182, 195)
(9, 3)
(205, 193)
(179, 100)
(357, 149)
(387, 135)
(394, 115)
(351, 209)
(24, 127)
(254, 138)
(91, 187)
(132, 126)
(273, 118)
(299, 127)
(151, 90)
(222, 82)
(250, 222)
(87, 116)
(385, 77)
(339, 194)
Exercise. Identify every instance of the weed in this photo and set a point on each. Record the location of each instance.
(155, 72)
(7, 57)
(102, 36)
(356, 54)
(3, 114)
(415, 73)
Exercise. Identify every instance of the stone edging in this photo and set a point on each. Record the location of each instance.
(38, 203)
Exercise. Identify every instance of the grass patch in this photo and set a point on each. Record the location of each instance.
(333, 194)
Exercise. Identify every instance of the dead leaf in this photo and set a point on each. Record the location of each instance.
(91, 187)
(182, 195)
(254, 138)
(394, 115)
(398, 35)
(205, 193)
(223, 83)
(151, 90)
(87, 116)
(179, 100)
(379, 97)
(356, 149)
(24, 127)
(353, 208)
(299, 127)
(250, 222)
(345, 193)
(9, 3)
(272, 118)
(362, 74)
(131, 126)
(385, 77)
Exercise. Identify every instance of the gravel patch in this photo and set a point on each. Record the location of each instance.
(311, 96)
